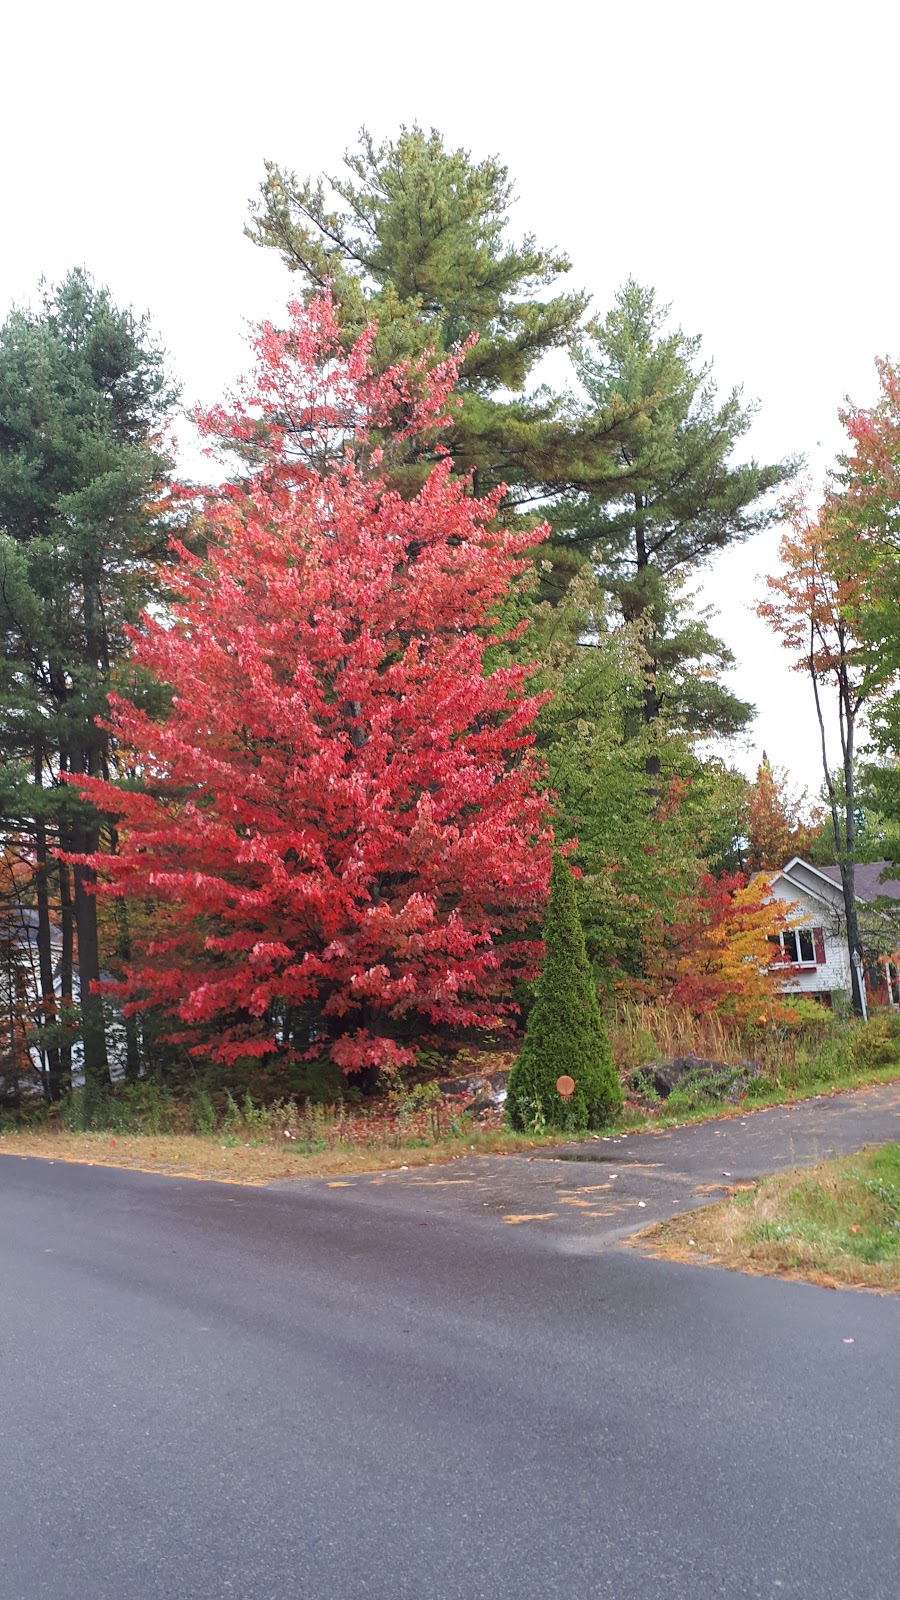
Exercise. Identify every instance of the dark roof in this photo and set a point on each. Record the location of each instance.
(867, 879)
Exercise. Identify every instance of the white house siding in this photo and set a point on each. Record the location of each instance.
(833, 974)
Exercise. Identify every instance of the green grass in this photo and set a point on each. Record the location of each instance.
(836, 1224)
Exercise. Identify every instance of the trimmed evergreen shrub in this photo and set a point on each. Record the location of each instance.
(565, 1032)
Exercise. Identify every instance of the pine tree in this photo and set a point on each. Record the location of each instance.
(83, 399)
(681, 497)
(565, 1034)
(414, 237)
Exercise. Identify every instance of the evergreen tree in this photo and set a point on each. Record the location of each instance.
(565, 1034)
(83, 397)
(415, 236)
(681, 497)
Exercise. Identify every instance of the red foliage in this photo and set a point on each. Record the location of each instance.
(718, 957)
(872, 466)
(340, 813)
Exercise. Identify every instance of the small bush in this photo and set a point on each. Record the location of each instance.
(204, 1112)
(876, 1043)
(143, 1107)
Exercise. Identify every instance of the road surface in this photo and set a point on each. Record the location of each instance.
(389, 1392)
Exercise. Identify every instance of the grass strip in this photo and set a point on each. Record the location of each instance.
(251, 1162)
(836, 1224)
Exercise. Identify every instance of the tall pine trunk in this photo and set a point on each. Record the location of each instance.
(643, 610)
(88, 759)
(66, 965)
(53, 1085)
(123, 950)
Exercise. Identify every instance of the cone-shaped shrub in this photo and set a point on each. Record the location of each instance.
(565, 1033)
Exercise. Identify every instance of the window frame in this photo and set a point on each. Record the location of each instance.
(792, 956)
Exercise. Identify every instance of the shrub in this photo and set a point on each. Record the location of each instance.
(876, 1043)
(204, 1112)
(565, 1032)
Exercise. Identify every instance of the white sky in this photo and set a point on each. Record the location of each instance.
(740, 157)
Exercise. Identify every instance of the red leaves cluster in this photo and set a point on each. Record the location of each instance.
(717, 955)
(872, 466)
(340, 812)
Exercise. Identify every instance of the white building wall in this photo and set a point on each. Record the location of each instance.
(810, 912)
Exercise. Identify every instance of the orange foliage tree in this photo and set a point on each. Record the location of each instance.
(776, 826)
(718, 954)
(815, 600)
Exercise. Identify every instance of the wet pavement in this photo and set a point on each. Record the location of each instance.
(446, 1384)
(609, 1188)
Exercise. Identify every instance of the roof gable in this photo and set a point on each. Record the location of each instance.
(802, 875)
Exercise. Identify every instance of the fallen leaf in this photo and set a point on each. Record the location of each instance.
(535, 1216)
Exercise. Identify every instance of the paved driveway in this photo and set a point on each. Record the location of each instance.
(607, 1189)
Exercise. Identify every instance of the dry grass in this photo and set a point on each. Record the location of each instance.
(836, 1224)
(194, 1156)
(642, 1031)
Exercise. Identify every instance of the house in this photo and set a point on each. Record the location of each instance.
(20, 998)
(818, 961)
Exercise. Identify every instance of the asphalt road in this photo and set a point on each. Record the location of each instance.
(387, 1391)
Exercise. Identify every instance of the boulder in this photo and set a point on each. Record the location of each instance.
(705, 1079)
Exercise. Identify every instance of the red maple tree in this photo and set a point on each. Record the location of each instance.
(340, 816)
(718, 953)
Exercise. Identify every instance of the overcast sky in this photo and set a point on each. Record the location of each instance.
(740, 157)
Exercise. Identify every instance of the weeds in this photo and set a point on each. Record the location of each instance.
(816, 1053)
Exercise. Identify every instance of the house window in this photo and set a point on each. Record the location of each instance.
(798, 945)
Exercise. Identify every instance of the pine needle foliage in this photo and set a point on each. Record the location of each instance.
(566, 1034)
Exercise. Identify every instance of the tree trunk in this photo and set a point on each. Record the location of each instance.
(844, 831)
(123, 950)
(857, 981)
(650, 694)
(848, 859)
(87, 759)
(66, 965)
(53, 1085)
(96, 1060)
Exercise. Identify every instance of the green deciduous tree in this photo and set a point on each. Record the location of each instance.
(864, 512)
(565, 1034)
(816, 598)
(641, 847)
